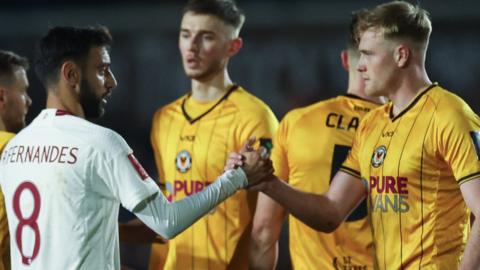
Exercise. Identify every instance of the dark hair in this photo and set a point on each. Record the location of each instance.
(225, 10)
(66, 43)
(355, 17)
(398, 20)
(9, 63)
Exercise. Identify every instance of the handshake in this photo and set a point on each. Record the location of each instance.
(255, 163)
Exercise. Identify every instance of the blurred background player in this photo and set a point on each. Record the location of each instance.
(199, 129)
(418, 155)
(310, 145)
(64, 177)
(14, 104)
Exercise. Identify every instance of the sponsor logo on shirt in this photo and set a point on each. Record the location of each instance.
(476, 142)
(379, 156)
(138, 167)
(184, 186)
(390, 193)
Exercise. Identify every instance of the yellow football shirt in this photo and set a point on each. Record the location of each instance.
(413, 165)
(4, 235)
(191, 150)
(310, 145)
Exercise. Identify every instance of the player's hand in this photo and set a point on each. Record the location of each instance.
(235, 159)
(255, 167)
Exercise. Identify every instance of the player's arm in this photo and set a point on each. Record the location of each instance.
(169, 219)
(267, 225)
(324, 212)
(471, 193)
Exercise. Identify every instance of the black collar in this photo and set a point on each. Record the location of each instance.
(417, 98)
(193, 120)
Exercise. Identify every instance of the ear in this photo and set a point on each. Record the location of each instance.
(344, 58)
(235, 45)
(402, 55)
(3, 97)
(70, 73)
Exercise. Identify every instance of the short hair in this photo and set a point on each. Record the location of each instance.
(352, 40)
(66, 43)
(9, 63)
(226, 10)
(398, 20)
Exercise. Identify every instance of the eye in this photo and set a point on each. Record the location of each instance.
(208, 37)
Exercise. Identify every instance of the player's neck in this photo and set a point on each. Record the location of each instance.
(407, 89)
(206, 91)
(61, 100)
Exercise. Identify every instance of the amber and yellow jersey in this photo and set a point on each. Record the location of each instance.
(413, 165)
(191, 142)
(4, 235)
(310, 145)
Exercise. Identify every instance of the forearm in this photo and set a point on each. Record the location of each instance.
(317, 211)
(263, 257)
(471, 257)
(169, 219)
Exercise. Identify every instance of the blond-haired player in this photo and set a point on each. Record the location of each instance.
(335, 121)
(415, 159)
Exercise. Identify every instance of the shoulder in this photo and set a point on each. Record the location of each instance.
(172, 107)
(450, 109)
(99, 138)
(248, 103)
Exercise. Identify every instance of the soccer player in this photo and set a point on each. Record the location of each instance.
(14, 104)
(199, 129)
(415, 159)
(335, 121)
(63, 177)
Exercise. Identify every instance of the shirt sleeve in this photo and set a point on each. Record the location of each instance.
(280, 150)
(351, 165)
(262, 124)
(458, 141)
(118, 170)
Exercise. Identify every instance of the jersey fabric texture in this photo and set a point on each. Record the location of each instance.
(63, 179)
(191, 148)
(309, 147)
(4, 236)
(413, 165)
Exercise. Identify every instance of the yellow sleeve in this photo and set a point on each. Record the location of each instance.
(352, 165)
(155, 141)
(279, 151)
(458, 141)
(262, 124)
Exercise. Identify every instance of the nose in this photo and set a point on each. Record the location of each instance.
(361, 65)
(28, 100)
(110, 82)
(192, 44)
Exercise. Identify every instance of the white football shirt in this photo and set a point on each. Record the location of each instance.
(63, 179)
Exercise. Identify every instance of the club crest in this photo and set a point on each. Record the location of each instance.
(379, 156)
(183, 161)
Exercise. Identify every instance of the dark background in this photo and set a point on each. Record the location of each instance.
(290, 57)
